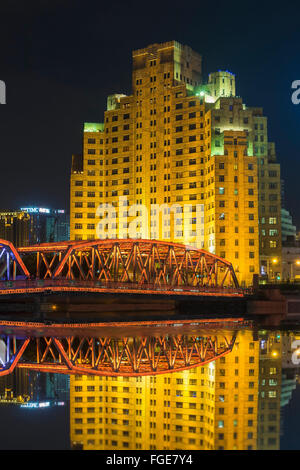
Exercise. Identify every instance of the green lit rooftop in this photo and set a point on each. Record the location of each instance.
(93, 127)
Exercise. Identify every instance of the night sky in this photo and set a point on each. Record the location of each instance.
(61, 58)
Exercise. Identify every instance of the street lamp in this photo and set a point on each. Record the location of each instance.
(297, 263)
(274, 263)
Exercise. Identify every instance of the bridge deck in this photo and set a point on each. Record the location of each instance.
(136, 266)
(66, 285)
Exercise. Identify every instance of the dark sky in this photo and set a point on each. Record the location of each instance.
(61, 58)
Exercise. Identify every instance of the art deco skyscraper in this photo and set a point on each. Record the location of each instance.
(191, 154)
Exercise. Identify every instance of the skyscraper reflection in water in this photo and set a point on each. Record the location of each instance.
(210, 407)
(241, 396)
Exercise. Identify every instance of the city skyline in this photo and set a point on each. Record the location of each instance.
(149, 228)
(86, 93)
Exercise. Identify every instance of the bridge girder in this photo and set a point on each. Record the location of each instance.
(105, 356)
(11, 263)
(130, 261)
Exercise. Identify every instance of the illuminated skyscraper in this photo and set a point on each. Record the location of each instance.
(181, 146)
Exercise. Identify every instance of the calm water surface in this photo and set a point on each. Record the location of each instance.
(199, 386)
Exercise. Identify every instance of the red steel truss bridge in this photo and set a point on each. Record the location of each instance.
(115, 266)
(109, 356)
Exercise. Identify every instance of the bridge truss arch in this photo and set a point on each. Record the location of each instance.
(129, 261)
(106, 356)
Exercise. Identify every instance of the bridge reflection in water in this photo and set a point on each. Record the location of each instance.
(231, 403)
(95, 353)
(195, 385)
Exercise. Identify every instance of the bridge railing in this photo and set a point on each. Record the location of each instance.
(69, 284)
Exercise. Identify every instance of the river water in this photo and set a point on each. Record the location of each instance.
(199, 385)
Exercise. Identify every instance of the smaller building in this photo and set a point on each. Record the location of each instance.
(58, 387)
(287, 227)
(15, 227)
(291, 260)
(47, 225)
(32, 225)
(288, 385)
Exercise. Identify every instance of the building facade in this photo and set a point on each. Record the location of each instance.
(288, 229)
(181, 160)
(15, 227)
(32, 225)
(291, 260)
(269, 398)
